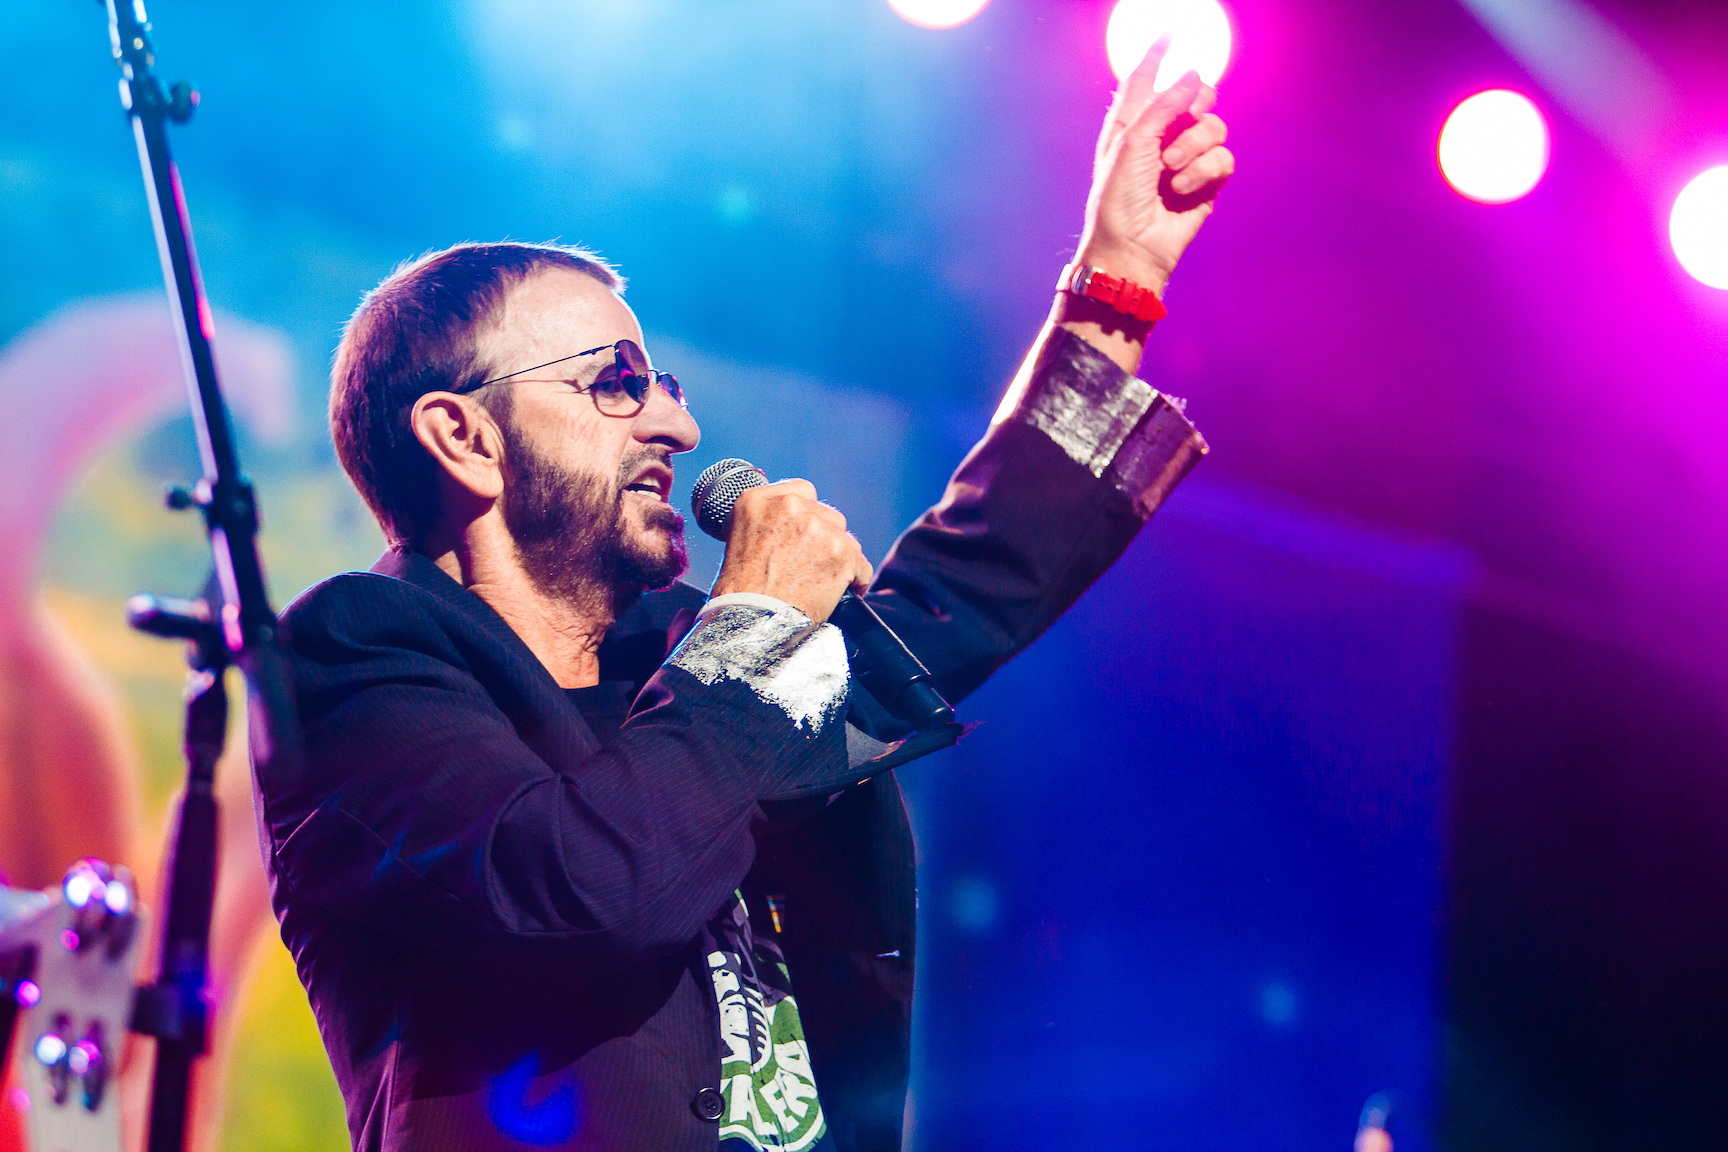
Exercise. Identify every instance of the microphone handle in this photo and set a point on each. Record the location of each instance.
(887, 668)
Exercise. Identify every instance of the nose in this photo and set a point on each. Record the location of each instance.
(664, 421)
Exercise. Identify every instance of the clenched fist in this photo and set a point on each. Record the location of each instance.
(787, 544)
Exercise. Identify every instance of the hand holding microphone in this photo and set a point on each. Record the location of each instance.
(782, 542)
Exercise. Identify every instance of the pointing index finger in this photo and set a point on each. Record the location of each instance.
(1174, 101)
(1134, 94)
(1138, 90)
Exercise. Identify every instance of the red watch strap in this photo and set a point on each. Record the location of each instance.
(1124, 296)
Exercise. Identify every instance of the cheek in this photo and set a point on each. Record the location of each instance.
(583, 442)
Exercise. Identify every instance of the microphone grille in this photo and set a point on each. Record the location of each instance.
(717, 489)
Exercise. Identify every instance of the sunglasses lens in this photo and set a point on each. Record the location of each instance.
(634, 375)
(622, 388)
(613, 392)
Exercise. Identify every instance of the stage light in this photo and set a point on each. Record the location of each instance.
(937, 13)
(1494, 147)
(1199, 38)
(974, 904)
(81, 885)
(1698, 227)
(50, 1049)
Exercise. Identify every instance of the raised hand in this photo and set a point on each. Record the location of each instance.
(1159, 165)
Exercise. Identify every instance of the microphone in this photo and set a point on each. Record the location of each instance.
(879, 658)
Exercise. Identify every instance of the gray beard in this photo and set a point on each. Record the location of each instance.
(570, 535)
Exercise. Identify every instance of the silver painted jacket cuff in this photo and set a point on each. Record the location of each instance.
(1116, 426)
(754, 599)
(782, 656)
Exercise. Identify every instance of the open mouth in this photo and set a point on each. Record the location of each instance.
(656, 483)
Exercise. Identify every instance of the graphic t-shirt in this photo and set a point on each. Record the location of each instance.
(765, 1076)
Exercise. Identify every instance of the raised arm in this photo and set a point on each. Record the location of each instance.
(1081, 452)
(1157, 171)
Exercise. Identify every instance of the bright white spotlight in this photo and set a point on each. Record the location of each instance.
(1199, 38)
(1494, 147)
(937, 13)
(1698, 227)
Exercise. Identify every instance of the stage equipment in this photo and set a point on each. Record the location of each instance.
(880, 659)
(1698, 227)
(1494, 147)
(66, 960)
(1199, 34)
(231, 624)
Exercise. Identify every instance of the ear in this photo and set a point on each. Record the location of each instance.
(463, 440)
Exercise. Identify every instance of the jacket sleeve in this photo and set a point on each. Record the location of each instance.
(1037, 511)
(441, 812)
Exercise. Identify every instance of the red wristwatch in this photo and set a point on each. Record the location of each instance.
(1125, 296)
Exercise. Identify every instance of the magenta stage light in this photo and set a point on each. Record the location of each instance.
(1494, 147)
(937, 13)
(1698, 227)
(1199, 32)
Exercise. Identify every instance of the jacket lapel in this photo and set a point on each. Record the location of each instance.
(545, 717)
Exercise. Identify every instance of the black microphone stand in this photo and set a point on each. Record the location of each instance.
(232, 625)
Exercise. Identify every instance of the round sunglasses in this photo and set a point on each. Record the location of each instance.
(621, 389)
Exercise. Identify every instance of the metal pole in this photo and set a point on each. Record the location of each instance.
(239, 627)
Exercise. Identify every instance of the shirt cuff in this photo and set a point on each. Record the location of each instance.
(1116, 426)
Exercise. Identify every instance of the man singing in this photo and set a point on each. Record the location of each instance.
(584, 858)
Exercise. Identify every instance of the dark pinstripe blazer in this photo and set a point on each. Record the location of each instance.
(495, 916)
